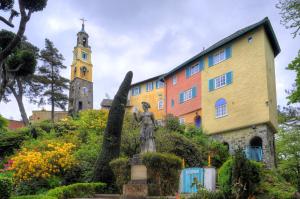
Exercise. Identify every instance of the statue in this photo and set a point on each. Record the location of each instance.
(148, 127)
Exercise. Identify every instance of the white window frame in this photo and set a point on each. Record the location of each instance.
(250, 39)
(174, 80)
(219, 56)
(160, 84)
(194, 69)
(220, 81)
(136, 91)
(160, 104)
(187, 95)
(149, 86)
(86, 56)
(181, 120)
(221, 111)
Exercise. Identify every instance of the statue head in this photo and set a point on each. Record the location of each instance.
(146, 106)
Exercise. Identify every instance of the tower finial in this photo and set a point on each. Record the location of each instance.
(83, 20)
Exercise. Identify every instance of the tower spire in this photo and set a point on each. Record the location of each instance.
(83, 20)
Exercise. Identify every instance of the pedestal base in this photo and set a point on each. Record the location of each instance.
(135, 191)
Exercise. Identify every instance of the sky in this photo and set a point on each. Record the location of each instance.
(149, 37)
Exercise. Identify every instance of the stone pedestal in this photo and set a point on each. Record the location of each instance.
(137, 188)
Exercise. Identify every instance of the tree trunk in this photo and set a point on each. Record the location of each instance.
(19, 99)
(52, 95)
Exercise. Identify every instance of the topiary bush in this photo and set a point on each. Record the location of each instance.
(121, 169)
(5, 187)
(163, 172)
(225, 177)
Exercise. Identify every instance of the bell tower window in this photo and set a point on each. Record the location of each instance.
(84, 41)
(84, 55)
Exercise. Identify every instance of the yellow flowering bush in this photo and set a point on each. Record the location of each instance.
(93, 119)
(35, 164)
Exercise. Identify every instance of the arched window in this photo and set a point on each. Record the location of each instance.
(254, 151)
(256, 142)
(221, 108)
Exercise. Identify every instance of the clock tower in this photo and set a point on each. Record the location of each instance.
(81, 85)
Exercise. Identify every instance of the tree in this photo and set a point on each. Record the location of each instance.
(22, 82)
(49, 76)
(288, 113)
(290, 14)
(112, 134)
(288, 154)
(294, 94)
(26, 8)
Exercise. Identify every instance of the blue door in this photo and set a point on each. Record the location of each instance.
(188, 177)
(198, 122)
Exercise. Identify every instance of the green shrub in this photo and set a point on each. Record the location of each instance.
(225, 177)
(163, 171)
(5, 187)
(204, 194)
(172, 124)
(76, 190)
(121, 169)
(34, 197)
(274, 186)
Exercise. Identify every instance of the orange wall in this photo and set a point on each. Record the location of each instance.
(183, 84)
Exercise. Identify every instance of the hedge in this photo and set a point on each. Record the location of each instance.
(121, 170)
(204, 194)
(71, 191)
(5, 187)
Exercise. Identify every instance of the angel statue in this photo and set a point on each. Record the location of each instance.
(148, 126)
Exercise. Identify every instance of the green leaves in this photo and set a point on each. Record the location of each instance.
(35, 5)
(23, 63)
(294, 94)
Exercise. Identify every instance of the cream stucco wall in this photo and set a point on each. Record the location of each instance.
(253, 86)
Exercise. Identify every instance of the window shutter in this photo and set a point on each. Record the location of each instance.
(147, 87)
(194, 92)
(187, 72)
(181, 97)
(228, 52)
(201, 64)
(211, 84)
(156, 84)
(140, 89)
(210, 60)
(132, 94)
(229, 77)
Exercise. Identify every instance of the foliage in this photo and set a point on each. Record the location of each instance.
(70, 191)
(5, 187)
(290, 14)
(273, 185)
(37, 168)
(49, 76)
(121, 169)
(3, 124)
(93, 120)
(180, 146)
(172, 123)
(9, 141)
(225, 177)
(245, 175)
(112, 135)
(204, 194)
(294, 94)
(164, 171)
(289, 155)
(287, 113)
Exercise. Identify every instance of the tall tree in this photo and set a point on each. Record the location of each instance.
(26, 8)
(112, 134)
(294, 94)
(290, 14)
(22, 82)
(49, 75)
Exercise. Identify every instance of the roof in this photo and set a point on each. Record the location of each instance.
(147, 80)
(108, 103)
(269, 30)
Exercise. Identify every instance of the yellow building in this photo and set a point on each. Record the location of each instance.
(42, 115)
(152, 91)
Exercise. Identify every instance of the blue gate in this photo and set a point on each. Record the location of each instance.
(188, 177)
(254, 153)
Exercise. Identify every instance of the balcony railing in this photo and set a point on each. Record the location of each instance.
(254, 153)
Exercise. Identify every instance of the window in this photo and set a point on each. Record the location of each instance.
(194, 69)
(219, 56)
(181, 120)
(174, 80)
(80, 105)
(187, 95)
(220, 81)
(84, 55)
(250, 39)
(136, 91)
(84, 90)
(160, 104)
(172, 103)
(149, 86)
(221, 108)
(159, 84)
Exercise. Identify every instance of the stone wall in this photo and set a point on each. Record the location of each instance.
(242, 138)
